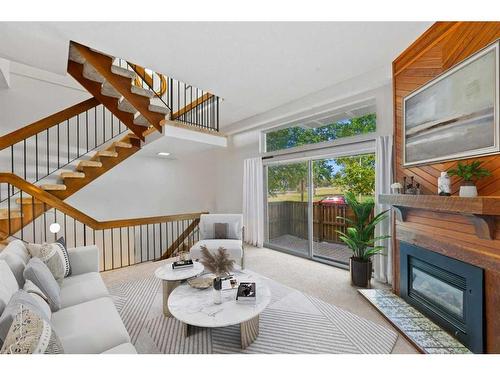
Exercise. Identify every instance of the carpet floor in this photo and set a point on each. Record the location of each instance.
(294, 322)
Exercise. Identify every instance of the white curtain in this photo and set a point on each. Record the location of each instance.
(253, 201)
(383, 181)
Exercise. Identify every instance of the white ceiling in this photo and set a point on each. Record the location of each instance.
(254, 66)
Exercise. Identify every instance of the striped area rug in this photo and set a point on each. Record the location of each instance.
(292, 323)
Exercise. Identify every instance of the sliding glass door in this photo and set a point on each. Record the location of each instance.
(306, 205)
(288, 207)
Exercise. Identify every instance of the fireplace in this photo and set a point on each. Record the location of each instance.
(448, 291)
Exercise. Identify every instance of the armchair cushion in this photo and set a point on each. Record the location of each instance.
(84, 259)
(234, 228)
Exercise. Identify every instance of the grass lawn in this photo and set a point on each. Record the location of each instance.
(294, 196)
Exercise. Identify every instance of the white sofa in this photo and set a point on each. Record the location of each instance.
(233, 244)
(87, 322)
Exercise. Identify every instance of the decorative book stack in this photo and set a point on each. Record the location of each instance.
(246, 293)
(182, 264)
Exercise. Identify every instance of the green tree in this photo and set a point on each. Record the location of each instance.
(356, 174)
(294, 176)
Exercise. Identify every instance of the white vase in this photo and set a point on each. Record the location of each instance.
(468, 191)
(444, 184)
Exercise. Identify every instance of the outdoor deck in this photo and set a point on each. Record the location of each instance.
(326, 250)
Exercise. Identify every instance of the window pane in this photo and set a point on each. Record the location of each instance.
(298, 135)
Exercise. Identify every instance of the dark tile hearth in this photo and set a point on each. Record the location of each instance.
(422, 332)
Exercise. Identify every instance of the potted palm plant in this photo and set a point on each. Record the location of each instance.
(360, 238)
(469, 173)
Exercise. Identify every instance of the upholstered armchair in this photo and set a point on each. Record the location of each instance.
(221, 230)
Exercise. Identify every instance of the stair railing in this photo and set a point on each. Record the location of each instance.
(187, 104)
(121, 242)
(44, 147)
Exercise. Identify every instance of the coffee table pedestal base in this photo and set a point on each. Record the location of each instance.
(168, 287)
(249, 331)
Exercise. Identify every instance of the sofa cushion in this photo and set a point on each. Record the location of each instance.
(40, 275)
(127, 348)
(8, 285)
(38, 296)
(233, 247)
(17, 256)
(82, 288)
(19, 298)
(30, 333)
(54, 255)
(90, 328)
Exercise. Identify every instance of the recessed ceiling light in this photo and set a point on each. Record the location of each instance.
(164, 154)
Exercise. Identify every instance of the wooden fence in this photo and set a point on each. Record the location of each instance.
(288, 217)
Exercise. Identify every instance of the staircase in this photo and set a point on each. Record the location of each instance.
(128, 92)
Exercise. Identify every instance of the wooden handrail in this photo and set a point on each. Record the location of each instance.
(168, 253)
(46, 123)
(52, 201)
(192, 105)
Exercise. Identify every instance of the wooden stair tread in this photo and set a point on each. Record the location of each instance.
(122, 144)
(132, 136)
(125, 106)
(72, 175)
(123, 72)
(88, 164)
(141, 91)
(28, 200)
(141, 121)
(50, 187)
(108, 90)
(14, 213)
(107, 153)
(89, 72)
(159, 109)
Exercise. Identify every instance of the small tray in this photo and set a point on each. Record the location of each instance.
(203, 282)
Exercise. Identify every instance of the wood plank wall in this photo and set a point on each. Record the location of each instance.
(443, 45)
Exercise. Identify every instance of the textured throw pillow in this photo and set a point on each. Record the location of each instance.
(40, 298)
(221, 231)
(54, 255)
(19, 298)
(30, 333)
(37, 272)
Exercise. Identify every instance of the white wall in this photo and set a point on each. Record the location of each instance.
(150, 186)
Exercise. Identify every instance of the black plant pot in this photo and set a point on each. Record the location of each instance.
(361, 272)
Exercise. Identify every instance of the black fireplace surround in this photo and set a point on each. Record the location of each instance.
(446, 290)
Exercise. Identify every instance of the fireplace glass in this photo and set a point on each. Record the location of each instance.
(448, 297)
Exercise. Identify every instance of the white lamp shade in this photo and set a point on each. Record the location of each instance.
(54, 228)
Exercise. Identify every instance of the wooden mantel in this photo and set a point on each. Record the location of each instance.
(480, 211)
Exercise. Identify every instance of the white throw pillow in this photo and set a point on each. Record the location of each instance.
(55, 256)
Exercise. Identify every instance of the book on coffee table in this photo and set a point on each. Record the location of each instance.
(247, 293)
(182, 264)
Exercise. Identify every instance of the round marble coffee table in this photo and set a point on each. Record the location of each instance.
(195, 307)
(171, 279)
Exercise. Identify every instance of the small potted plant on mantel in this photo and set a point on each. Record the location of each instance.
(469, 173)
(360, 238)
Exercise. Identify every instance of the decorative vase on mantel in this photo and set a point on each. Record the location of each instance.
(444, 184)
